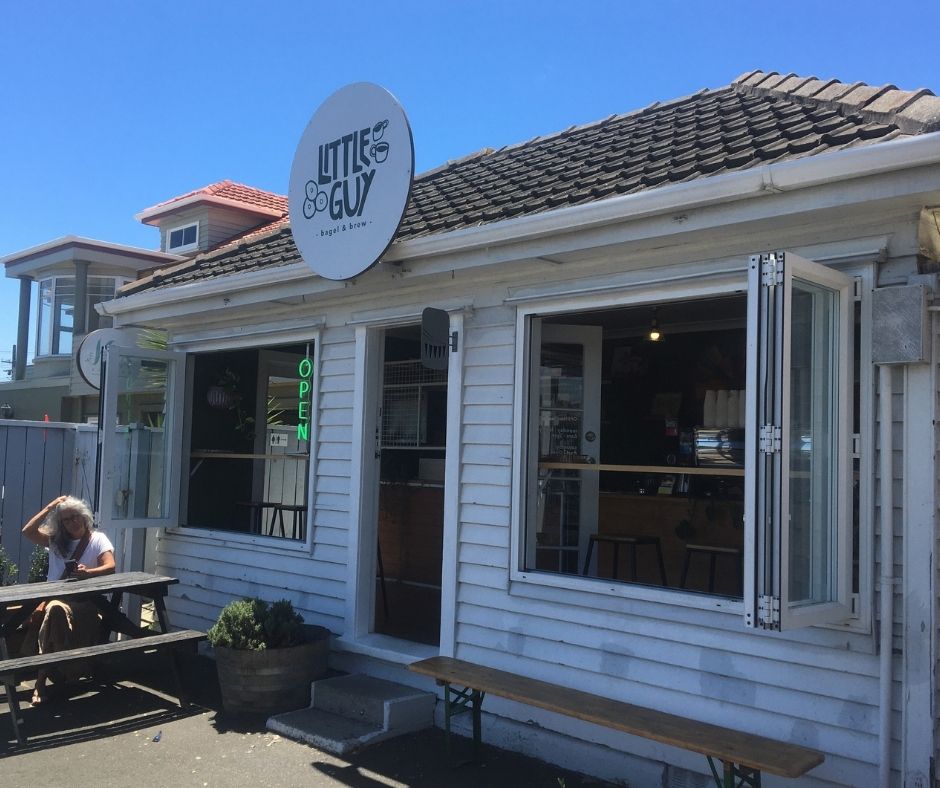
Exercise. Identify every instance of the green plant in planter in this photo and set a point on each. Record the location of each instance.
(266, 656)
(255, 625)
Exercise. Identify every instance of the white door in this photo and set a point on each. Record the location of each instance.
(565, 415)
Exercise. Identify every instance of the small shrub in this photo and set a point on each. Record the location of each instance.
(8, 570)
(254, 625)
(38, 565)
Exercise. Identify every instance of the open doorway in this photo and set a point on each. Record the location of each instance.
(410, 532)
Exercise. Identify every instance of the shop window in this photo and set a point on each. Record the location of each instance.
(637, 468)
(249, 441)
(55, 316)
(183, 238)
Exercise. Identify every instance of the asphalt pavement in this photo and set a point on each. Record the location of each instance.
(123, 729)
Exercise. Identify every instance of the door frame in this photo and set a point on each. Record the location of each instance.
(364, 488)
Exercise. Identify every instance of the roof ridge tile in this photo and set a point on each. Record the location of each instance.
(913, 112)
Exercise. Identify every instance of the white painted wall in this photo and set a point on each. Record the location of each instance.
(816, 687)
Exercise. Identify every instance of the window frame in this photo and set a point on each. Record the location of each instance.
(270, 340)
(173, 413)
(181, 228)
(713, 280)
(767, 548)
(718, 282)
(52, 325)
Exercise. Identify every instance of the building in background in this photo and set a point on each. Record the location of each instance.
(62, 281)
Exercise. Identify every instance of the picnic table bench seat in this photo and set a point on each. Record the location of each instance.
(743, 755)
(16, 666)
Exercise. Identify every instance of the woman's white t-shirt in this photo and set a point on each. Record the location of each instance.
(98, 544)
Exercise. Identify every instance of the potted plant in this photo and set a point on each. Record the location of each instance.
(266, 656)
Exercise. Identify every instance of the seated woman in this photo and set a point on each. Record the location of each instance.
(76, 550)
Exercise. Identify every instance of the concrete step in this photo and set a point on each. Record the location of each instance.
(325, 731)
(348, 712)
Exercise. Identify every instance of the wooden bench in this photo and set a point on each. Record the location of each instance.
(743, 755)
(172, 642)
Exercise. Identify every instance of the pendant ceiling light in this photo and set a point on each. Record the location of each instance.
(654, 333)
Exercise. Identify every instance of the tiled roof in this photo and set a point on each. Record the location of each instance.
(760, 118)
(228, 190)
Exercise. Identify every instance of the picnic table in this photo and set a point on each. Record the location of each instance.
(106, 592)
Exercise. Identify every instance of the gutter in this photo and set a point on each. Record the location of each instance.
(826, 168)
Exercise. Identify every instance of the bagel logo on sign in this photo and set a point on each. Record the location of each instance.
(351, 180)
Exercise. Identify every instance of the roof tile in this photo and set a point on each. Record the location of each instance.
(760, 117)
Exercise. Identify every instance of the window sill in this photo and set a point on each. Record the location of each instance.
(274, 544)
(564, 584)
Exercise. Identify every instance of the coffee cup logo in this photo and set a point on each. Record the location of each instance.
(379, 152)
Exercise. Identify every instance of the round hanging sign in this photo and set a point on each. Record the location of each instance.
(351, 180)
(91, 348)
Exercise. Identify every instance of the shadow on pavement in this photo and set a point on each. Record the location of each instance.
(133, 708)
(123, 695)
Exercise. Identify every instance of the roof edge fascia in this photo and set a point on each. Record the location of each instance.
(152, 215)
(766, 179)
(222, 285)
(33, 253)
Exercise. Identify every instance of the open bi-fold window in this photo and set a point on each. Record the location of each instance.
(714, 458)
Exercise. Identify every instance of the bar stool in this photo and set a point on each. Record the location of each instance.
(631, 543)
(713, 552)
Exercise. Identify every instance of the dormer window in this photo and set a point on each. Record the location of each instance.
(183, 238)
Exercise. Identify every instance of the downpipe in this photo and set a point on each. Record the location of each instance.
(886, 593)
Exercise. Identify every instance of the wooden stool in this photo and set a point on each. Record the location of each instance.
(631, 543)
(712, 552)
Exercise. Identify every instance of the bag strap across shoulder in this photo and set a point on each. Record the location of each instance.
(77, 552)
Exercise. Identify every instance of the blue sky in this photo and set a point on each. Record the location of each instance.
(109, 107)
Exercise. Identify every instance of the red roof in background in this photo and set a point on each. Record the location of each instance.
(229, 190)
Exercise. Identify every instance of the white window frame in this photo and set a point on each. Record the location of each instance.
(268, 544)
(767, 497)
(173, 403)
(181, 229)
(51, 321)
(703, 283)
(553, 586)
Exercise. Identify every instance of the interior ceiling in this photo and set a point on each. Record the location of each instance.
(693, 312)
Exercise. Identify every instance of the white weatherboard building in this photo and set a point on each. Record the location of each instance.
(703, 524)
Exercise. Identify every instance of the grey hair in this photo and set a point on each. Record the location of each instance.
(59, 537)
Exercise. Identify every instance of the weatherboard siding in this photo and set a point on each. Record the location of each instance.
(815, 687)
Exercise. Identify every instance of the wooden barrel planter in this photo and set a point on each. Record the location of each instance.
(272, 680)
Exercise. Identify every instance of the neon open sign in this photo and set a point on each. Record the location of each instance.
(305, 370)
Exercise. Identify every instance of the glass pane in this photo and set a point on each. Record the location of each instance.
(251, 435)
(64, 314)
(813, 462)
(140, 461)
(557, 526)
(189, 235)
(100, 288)
(44, 334)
